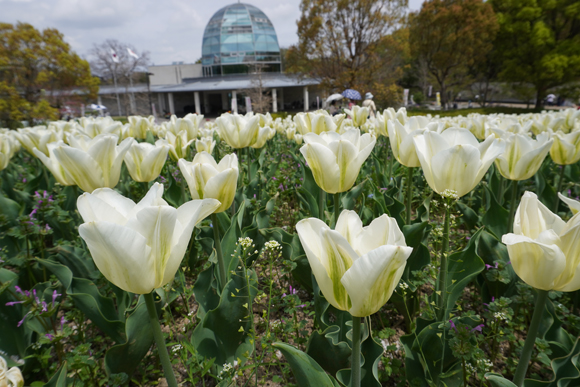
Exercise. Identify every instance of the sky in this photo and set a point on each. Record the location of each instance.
(171, 30)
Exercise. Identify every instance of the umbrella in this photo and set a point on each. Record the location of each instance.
(351, 94)
(97, 107)
(334, 97)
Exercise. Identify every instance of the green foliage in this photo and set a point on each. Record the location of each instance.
(539, 42)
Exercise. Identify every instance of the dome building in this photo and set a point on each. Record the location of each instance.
(237, 38)
(239, 50)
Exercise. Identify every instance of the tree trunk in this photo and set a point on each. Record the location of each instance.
(540, 95)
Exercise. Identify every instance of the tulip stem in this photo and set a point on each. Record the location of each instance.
(160, 340)
(560, 181)
(513, 205)
(321, 204)
(409, 193)
(249, 166)
(443, 266)
(336, 207)
(218, 250)
(355, 356)
(531, 339)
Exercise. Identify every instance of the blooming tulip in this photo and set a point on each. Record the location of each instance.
(453, 161)
(356, 267)
(5, 151)
(314, 122)
(53, 165)
(93, 127)
(336, 159)
(207, 179)
(139, 126)
(138, 247)
(205, 144)
(238, 131)
(38, 137)
(94, 164)
(401, 138)
(544, 250)
(177, 125)
(145, 161)
(359, 115)
(264, 134)
(523, 155)
(566, 147)
(178, 144)
(10, 377)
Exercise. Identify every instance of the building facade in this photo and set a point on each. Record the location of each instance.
(240, 54)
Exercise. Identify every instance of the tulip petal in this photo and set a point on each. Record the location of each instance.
(323, 164)
(533, 217)
(157, 225)
(574, 205)
(104, 204)
(188, 216)
(223, 188)
(310, 232)
(85, 171)
(373, 277)
(121, 254)
(537, 264)
(455, 169)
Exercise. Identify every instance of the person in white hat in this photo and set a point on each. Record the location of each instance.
(368, 102)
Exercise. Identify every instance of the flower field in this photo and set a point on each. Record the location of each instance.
(311, 250)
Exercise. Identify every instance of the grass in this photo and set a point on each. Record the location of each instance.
(465, 112)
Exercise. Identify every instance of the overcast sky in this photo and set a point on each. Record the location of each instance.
(171, 30)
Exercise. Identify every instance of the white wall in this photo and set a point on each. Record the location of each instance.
(173, 74)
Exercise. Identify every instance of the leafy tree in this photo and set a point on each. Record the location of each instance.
(539, 42)
(449, 37)
(349, 44)
(39, 73)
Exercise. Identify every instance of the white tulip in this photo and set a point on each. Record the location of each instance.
(356, 267)
(335, 159)
(145, 161)
(523, 155)
(138, 247)
(95, 164)
(208, 179)
(454, 161)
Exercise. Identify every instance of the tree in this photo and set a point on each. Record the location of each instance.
(539, 42)
(259, 96)
(450, 36)
(112, 61)
(38, 74)
(343, 43)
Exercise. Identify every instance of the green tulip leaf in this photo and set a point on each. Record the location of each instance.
(306, 371)
(496, 217)
(205, 291)
(126, 357)
(463, 266)
(9, 207)
(468, 216)
(490, 249)
(566, 370)
(496, 380)
(14, 340)
(223, 332)
(87, 298)
(328, 350)
(348, 200)
(59, 377)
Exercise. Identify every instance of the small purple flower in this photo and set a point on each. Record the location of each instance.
(452, 325)
(54, 296)
(12, 303)
(273, 178)
(49, 336)
(62, 321)
(24, 180)
(22, 321)
(478, 328)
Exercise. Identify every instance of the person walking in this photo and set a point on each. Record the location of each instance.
(369, 103)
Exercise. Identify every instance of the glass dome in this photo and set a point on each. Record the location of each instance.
(236, 37)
